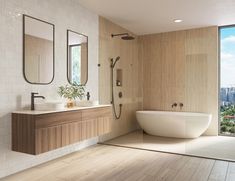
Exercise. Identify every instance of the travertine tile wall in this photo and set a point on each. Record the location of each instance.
(132, 76)
(15, 92)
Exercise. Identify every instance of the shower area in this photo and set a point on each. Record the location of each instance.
(124, 65)
(119, 79)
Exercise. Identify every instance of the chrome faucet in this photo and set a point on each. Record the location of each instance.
(33, 97)
(174, 105)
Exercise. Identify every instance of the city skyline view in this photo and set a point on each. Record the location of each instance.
(227, 66)
(227, 81)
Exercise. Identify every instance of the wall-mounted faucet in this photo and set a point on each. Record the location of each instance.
(88, 96)
(174, 105)
(181, 105)
(33, 97)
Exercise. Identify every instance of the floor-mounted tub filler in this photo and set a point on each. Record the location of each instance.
(174, 124)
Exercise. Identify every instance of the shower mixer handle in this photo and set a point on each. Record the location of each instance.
(181, 105)
(174, 105)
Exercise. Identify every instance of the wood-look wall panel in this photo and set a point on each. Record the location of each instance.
(131, 67)
(181, 66)
(196, 82)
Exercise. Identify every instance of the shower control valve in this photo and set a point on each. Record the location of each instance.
(120, 94)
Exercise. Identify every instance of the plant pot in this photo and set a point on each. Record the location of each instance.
(70, 103)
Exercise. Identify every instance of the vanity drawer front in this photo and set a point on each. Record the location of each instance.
(48, 139)
(71, 133)
(96, 113)
(36, 134)
(104, 125)
(55, 119)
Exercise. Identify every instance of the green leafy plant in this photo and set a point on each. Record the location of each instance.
(72, 92)
(224, 128)
(232, 130)
(227, 124)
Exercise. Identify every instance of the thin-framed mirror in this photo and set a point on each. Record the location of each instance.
(38, 50)
(77, 58)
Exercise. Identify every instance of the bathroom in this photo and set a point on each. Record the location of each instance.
(159, 65)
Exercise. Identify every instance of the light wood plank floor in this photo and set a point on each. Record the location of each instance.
(214, 147)
(111, 163)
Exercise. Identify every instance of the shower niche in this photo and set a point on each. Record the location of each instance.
(119, 77)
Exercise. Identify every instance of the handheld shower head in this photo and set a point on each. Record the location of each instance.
(118, 58)
(113, 63)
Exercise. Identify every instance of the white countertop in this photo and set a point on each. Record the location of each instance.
(61, 110)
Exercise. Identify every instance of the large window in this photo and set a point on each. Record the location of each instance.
(227, 80)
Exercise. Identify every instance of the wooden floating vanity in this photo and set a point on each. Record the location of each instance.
(36, 132)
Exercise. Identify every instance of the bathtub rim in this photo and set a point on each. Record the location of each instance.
(173, 113)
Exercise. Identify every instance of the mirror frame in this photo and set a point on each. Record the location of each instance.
(68, 30)
(24, 16)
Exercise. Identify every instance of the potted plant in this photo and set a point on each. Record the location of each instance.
(71, 92)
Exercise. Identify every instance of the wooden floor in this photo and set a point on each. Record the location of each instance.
(214, 147)
(110, 163)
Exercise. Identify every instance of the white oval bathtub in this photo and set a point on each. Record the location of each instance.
(173, 124)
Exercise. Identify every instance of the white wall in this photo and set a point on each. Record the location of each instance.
(14, 91)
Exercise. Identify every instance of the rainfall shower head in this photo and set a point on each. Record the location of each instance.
(124, 36)
(128, 37)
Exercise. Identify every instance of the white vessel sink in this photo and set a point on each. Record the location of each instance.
(85, 103)
(49, 106)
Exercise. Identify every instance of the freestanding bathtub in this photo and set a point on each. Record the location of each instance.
(173, 124)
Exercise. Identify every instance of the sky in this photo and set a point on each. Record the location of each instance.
(227, 55)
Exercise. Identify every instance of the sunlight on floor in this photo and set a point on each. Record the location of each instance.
(216, 147)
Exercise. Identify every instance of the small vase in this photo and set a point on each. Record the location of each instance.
(70, 103)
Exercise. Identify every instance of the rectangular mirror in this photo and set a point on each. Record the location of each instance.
(77, 58)
(38, 51)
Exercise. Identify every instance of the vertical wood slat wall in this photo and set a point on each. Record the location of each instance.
(181, 66)
(35, 134)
